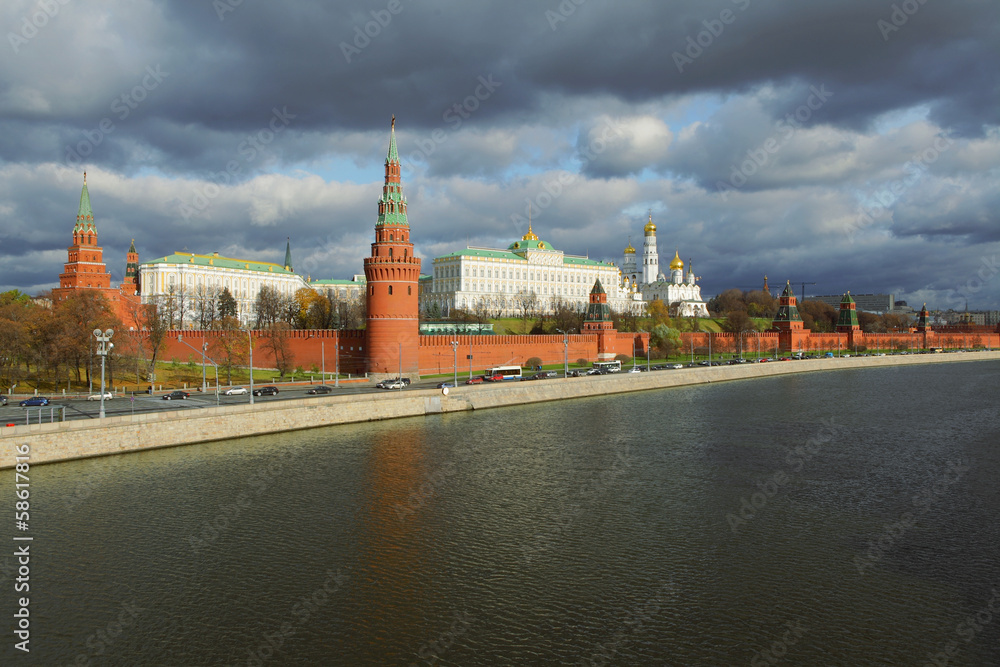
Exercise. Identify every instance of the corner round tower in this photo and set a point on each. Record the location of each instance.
(392, 331)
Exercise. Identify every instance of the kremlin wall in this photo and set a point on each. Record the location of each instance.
(391, 343)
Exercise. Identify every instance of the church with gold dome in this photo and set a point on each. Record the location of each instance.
(502, 280)
(678, 290)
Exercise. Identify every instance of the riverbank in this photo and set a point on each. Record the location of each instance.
(63, 441)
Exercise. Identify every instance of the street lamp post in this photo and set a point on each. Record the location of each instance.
(454, 348)
(204, 381)
(566, 352)
(250, 339)
(104, 346)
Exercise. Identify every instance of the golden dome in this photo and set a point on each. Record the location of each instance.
(530, 236)
(650, 227)
(677, 263)
(629, 250)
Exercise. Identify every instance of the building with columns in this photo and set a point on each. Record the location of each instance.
(528, 269)
(678, 290)
(190, 279)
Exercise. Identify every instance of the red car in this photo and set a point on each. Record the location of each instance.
(475, 380)
(495, 378)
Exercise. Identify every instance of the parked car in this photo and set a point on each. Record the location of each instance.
(269, 390)
(176, 395)
(445, 385)
(96, 397)
(34, 401)
(321, 389)
(235, 391)
(475, 380)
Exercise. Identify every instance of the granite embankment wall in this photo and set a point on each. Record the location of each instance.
(116, 435)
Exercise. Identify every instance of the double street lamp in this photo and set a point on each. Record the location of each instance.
(454, 348)
(104, 346)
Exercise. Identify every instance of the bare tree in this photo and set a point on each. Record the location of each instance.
(277, 341)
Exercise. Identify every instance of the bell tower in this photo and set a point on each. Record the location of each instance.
(392, 331)
(85, 268)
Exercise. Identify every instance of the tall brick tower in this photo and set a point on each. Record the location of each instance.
(85, 266)
(788, 322)
(847, 320)
(598, 321)
(393, 273)
(130, 285)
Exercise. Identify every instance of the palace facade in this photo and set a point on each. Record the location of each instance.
(528, 271)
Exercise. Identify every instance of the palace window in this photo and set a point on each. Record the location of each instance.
(390, 290)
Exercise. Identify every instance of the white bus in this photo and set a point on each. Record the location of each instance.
(505, 372)
(608, 366)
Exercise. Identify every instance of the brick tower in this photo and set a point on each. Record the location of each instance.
(847, 320)
(393, 273)
(788, 322)
(85, 267)
(130, 285)
(598, 321)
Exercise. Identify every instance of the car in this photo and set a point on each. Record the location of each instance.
(34, 401)
(269, 390)
(445, 385)
(495, 378)
(3, 400)
(596, 371)
(176, 395)
(577, 373)
(763, 360)
(475, 380)
(635, 369)
(543, 375)
(96, 397)
(321, 389)
(235, 391)
(393, 384)
(676, 367)
(829, 355)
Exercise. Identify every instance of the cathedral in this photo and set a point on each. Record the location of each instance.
(680, 292)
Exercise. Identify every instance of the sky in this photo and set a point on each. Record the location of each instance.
(850, 144)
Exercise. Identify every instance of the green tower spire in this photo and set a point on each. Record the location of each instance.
(288, 253)
(85, 216)
(392, 203)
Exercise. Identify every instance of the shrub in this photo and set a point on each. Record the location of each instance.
(533, 362)
(582, 362)
(624, 358)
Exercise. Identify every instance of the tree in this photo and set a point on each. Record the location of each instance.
(728, 301)
(665, 341)
(658, 313)
(526, 304)
(737, 321)
(227, 304)
(278, 342)
(206, 305)
(268, 306)
(155, 320)
(818, 316)
(231, 347)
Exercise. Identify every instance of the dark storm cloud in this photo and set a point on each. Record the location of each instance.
(163, 102)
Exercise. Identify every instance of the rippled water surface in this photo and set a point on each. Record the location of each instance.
(618, 530)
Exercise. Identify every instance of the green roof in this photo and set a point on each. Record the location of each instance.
(84, 216)
(331, 281)
(481, 252)
(531, 245)
(224, 262)
(507, 254)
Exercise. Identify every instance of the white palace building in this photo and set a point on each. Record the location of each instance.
(501, 278)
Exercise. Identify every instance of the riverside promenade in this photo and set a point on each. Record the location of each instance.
(63, 441)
